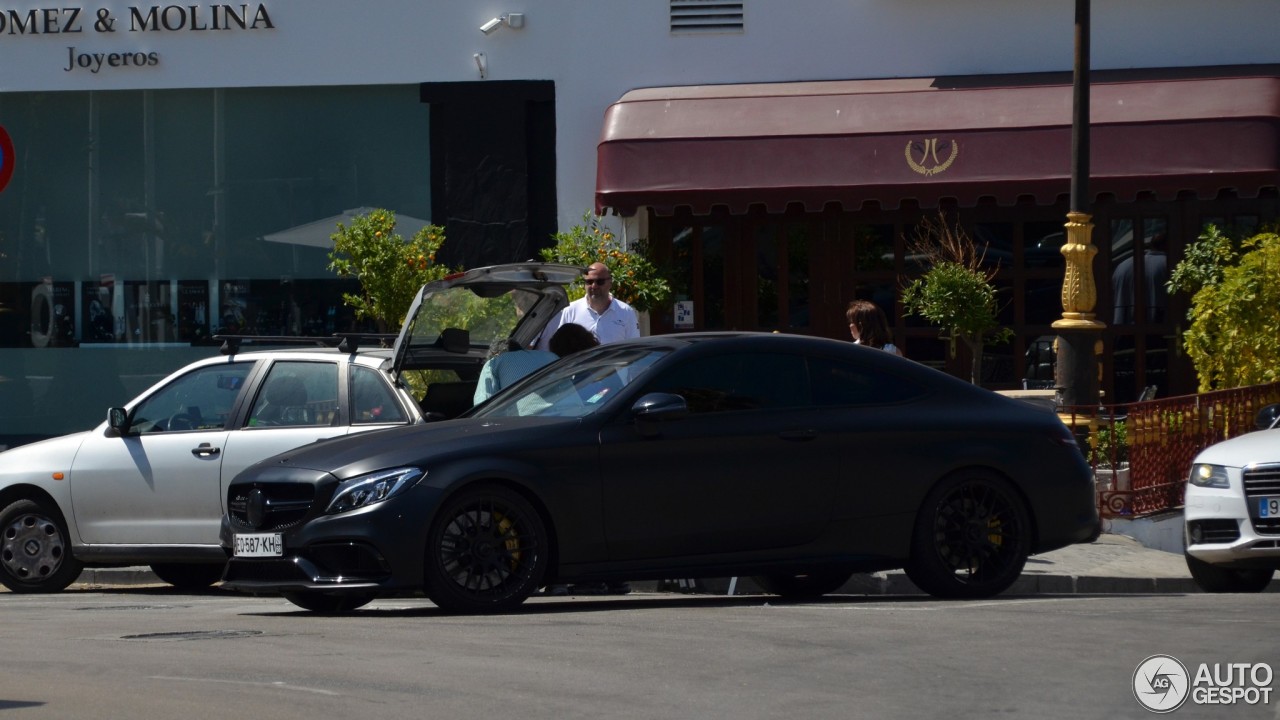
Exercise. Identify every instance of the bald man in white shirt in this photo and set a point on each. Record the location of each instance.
(607, 317)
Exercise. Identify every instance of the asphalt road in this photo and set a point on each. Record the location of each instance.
(155, 654)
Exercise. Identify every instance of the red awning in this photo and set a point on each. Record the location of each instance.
(926, 140)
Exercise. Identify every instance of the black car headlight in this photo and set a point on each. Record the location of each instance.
(362, 490)
(1209, 476)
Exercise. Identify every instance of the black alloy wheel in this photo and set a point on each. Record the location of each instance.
(803, 587)
(486, 552)
(326, 603)
(1213, 579)
(35, 556)
(972, 538)
(189, 576)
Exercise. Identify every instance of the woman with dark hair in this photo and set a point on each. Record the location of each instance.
(570, 338)
(869, 326)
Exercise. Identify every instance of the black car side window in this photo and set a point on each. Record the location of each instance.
(743, 381)
(843, 383)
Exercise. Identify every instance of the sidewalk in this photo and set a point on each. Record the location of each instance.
(1113, 564)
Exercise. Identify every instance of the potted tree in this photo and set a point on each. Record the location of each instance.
(956, 292)
(1109, 455)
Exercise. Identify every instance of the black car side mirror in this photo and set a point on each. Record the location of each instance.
(1268, 417)
(654, 408)
(118, 420)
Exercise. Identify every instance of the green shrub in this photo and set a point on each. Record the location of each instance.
(637, 280)
(1234, 336)
(390, 269)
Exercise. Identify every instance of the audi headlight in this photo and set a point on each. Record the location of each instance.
(363, 490)
(1209, 476)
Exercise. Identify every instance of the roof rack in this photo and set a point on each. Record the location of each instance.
(345, 342)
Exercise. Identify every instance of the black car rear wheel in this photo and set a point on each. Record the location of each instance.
(971, 539)
(1214, 579)
(35, 556)
(323, 603)
(189, 576)
(486, 552)
(804, 587)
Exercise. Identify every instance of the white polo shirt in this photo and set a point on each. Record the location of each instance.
(618, 322)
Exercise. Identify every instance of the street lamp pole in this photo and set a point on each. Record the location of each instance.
(1079, 334)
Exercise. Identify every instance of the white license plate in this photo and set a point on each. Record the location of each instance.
(1269, 507)
(259, 545)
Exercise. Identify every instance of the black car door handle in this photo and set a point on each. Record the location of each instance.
(205, 450)
(805, 434)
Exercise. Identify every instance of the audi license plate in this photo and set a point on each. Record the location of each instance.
(1269, 507)
(259, 545)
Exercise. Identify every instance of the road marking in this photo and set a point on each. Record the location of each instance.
(278, 684)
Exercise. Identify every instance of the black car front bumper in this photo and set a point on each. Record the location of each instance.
(377, 549)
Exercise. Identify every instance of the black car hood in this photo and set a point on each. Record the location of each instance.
(353, 455)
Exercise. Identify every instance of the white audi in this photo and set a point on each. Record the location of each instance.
(1233, 510)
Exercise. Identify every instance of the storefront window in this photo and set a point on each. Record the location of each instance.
(141, 222)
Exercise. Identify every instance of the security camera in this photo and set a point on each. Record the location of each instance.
(490, 26)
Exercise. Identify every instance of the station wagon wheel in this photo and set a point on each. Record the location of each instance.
(326, 603)
(804, 587)
(1213, 579)
(35, 555)
(486, 552)
(971, 538)
(188, 576)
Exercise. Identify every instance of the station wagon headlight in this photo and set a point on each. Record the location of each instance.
(363, 490)
(1209, 476)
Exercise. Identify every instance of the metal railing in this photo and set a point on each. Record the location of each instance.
(1141, 452)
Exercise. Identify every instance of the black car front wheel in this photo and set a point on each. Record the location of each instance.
(486, 552)
(804, 587)
(188, 576)
(972, 538)
(1214, 579)
(35, 556)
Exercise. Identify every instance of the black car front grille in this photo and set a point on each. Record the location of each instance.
(270, 506)
(1262, 481)
(352, 560)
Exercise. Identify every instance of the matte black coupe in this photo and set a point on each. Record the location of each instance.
(796, 460)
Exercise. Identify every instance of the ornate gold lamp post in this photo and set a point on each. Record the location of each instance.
(1079, 333)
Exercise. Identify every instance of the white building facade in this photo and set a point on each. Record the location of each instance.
(169, 171)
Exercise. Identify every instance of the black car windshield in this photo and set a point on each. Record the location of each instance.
(577, 387)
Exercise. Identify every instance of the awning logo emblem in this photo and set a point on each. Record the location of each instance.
(928, 151)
